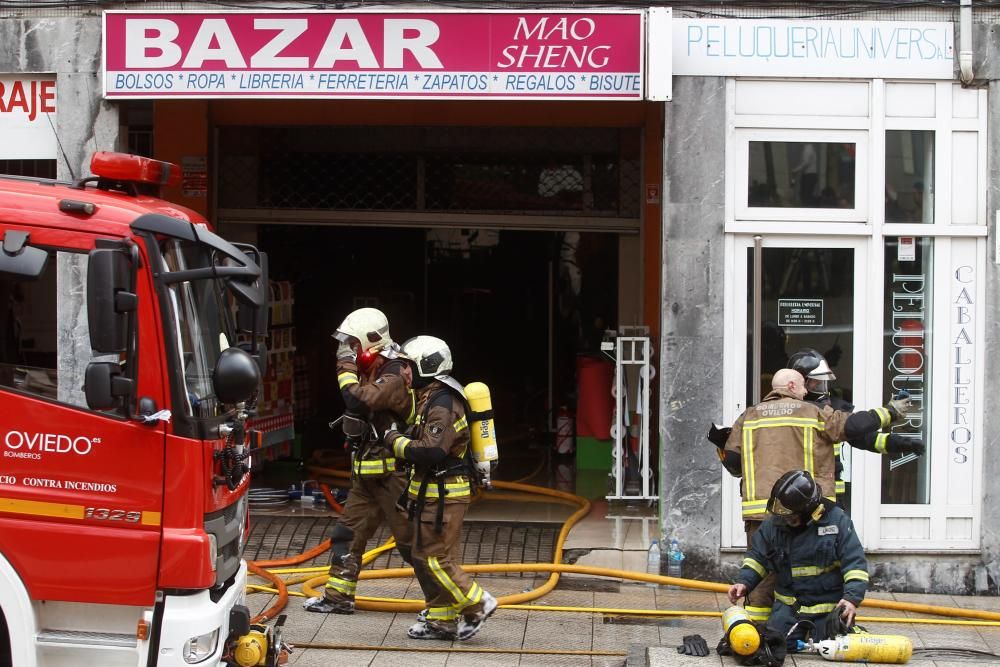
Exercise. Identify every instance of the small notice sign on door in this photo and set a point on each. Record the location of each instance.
(800, 312)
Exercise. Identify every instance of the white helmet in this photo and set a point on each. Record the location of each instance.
(431, 355)
(369, 326)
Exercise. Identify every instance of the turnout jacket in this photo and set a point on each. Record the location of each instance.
(783, 433)
(382, 398)
(879, 443)
(814, 566)
(437, 442)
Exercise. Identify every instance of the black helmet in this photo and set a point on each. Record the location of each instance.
(811, 364)
(795, 492)
(813, 367)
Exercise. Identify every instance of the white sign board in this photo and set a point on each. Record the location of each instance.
(810, 48)
(27, 117)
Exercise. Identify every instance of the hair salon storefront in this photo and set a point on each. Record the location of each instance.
(851, 218)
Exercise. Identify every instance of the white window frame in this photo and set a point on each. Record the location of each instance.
(865, 230)
(742, 138)
(735, 362)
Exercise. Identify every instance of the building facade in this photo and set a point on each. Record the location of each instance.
(773, 184)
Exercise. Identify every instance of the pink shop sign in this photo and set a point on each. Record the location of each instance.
(332, 54)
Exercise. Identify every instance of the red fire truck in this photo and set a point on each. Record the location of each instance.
(129, 354)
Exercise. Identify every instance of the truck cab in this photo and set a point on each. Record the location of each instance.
(130, 340)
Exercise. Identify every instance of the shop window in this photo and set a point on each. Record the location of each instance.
(42, 332)
(801, 174)
(909, 176)
(906, 362)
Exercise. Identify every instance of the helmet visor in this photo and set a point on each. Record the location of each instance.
(822, 372)
(775, 507)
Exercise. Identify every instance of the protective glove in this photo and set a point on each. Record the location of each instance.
(718, 436)
(346, 351)
(899, 406)
(898, 444)
(773, 649)
(694, 645)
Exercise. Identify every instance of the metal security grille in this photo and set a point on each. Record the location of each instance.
(508, 171)
(482, 542)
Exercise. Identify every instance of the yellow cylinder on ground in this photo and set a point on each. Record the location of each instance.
(483, 432)
(740, 630)
(886, 649)
(251, 649)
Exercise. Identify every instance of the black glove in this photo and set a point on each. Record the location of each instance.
(718, 436)
(694, 645)
(901, 444)
(773, 649)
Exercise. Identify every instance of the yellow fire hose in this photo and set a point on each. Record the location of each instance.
(445, 649)
(986, 618)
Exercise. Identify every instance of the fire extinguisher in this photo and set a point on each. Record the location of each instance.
(565, 443)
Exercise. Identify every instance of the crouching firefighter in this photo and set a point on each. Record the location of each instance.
(370, 376)
(811, 547)
(440, 490)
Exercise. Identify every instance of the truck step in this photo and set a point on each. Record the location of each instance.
(83, 638)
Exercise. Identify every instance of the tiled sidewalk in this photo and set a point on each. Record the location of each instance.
(650, 641)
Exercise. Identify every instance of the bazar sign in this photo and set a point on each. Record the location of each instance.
(27, 117)
(504, 54)
(776, 47)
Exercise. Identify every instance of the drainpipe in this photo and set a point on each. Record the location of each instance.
(965, 42)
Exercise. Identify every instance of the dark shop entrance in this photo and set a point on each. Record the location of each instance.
(516, 307)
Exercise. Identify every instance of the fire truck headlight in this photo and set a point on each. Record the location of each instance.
(201, 647)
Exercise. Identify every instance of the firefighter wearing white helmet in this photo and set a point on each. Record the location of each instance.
(375, 395)
(439, 493)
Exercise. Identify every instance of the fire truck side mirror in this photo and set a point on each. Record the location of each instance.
(110, 299)
(253, 299)
(20, 259)
(105, 386)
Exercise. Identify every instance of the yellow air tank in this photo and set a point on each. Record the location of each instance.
(740, 631)
(483, 431)
(251, 648)
(885, 649)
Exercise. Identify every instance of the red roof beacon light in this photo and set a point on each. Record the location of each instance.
(135, 168)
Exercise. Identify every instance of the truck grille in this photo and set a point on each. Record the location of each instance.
(227, 525)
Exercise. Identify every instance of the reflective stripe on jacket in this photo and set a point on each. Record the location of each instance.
(815, 567)
(779, 434)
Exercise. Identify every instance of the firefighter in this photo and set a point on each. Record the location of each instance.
(811, 547)
(370, 376)
(779, 434)
(439, 492)
(813, 366)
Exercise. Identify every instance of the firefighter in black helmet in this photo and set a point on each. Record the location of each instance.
(812, 548)
(818, 374)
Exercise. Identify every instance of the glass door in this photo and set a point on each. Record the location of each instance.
(791, 293)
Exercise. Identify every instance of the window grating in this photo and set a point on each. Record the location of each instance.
(551, 171)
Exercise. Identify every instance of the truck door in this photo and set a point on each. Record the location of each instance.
(80, 489)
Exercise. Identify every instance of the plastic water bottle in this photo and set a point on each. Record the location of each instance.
(653, 561)
(675, 558)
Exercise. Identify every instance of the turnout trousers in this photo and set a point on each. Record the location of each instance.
(761, 599)
(437, 559)
(371, 501)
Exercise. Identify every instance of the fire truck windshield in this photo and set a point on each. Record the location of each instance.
(202, 326)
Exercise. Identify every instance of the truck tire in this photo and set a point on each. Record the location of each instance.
(5, 660)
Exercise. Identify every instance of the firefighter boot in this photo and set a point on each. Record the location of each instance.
(422, 630)
(324, 605)
(468, 627)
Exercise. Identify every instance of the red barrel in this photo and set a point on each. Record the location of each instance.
(594, 379)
